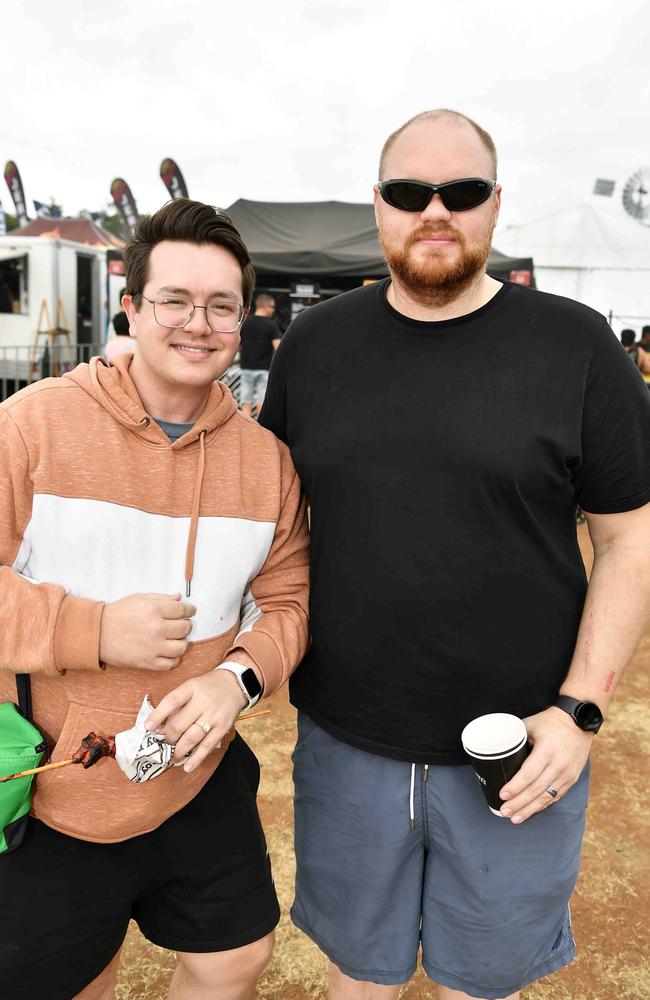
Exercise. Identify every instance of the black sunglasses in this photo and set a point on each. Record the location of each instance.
(456, 196)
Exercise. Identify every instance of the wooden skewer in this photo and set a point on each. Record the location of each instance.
(37, 770)
(253, 715)
(64, 763)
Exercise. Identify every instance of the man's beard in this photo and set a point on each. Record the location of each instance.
(431, 280)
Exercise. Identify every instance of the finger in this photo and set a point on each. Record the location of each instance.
(161, 663)
(530, 770)
(173, 649)
(534, 793)
(539, 804)
(177, 629)
(171, 703)
(177, 609)
(207, 746)
(191, 737)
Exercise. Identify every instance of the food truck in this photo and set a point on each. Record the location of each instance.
(60, 281)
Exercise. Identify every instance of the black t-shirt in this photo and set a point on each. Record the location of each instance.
(257, 336)
(444, 462)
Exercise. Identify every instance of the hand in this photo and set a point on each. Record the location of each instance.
(214, 698)
(145, 631)
(560, 752)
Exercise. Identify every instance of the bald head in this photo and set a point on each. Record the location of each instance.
(452, 118)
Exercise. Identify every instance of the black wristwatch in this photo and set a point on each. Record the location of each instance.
(585, 714)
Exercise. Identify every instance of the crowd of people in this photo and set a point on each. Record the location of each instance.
(168, 534)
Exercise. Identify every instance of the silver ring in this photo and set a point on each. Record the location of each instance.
(206, 727)
(552, 792)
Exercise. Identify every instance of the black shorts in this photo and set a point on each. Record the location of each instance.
(201, 882)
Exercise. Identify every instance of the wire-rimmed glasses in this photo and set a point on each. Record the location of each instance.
(174, 312)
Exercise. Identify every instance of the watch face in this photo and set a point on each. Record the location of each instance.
(588, 716)
(251, 683)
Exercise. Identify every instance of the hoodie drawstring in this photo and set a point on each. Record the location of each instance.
(223, 406)
(194, 518)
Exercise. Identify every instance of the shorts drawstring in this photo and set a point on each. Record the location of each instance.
(412, 793)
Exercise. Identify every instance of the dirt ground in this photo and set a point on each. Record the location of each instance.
(611, 906)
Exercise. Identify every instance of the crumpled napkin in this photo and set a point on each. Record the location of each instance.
(141, 754)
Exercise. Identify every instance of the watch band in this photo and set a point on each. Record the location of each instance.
(574, 707)
(250, 685)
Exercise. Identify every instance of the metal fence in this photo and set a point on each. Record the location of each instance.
(20, 366)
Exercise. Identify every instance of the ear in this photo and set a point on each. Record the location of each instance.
(132, 313)
(497, 202)
(375, 199)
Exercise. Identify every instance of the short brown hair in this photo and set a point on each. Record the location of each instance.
(484, 136)
(187, 221)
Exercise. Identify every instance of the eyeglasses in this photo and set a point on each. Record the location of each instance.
(456, 196)
(175, 311)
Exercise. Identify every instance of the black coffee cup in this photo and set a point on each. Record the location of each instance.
(497, 747)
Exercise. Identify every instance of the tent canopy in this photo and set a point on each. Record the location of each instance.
(595, 234)
(78, 230)
(320, 238)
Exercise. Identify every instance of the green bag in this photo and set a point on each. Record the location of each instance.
(21, 748)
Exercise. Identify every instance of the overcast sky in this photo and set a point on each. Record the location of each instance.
(291, 101)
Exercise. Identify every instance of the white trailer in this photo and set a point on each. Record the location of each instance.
(57, 284)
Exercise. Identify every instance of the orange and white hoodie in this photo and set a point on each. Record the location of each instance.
(96, 504)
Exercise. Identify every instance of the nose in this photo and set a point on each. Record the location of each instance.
(198, 325)
(435, 210)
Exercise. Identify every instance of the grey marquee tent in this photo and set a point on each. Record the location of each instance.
(325, 239)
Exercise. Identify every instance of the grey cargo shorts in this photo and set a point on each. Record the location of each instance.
(391, 858)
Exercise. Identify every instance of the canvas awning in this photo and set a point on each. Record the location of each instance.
(324, 238)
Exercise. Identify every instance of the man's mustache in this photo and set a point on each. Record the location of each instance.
(426, 232)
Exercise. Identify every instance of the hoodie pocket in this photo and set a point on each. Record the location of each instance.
(81, 720)
(100, 803)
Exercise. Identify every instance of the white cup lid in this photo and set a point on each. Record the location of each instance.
(493, 734)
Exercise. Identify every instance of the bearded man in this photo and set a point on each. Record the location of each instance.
(447, 583)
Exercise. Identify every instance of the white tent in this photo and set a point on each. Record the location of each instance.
(593, 252)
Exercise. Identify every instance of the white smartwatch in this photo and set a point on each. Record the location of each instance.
(247, 680)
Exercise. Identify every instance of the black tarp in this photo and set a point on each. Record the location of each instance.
(324, 239)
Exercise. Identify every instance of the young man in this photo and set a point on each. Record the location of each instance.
(260, 337)
(121, 488)
(447, 583)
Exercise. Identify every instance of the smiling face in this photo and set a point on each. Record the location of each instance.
(435, 254)
(185, 362)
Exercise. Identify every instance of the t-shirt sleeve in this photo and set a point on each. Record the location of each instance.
(614, 474)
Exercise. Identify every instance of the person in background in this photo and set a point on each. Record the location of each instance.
(639, 356)
(121, 341)
(447, 584)
(260, 337)
(645, 338)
